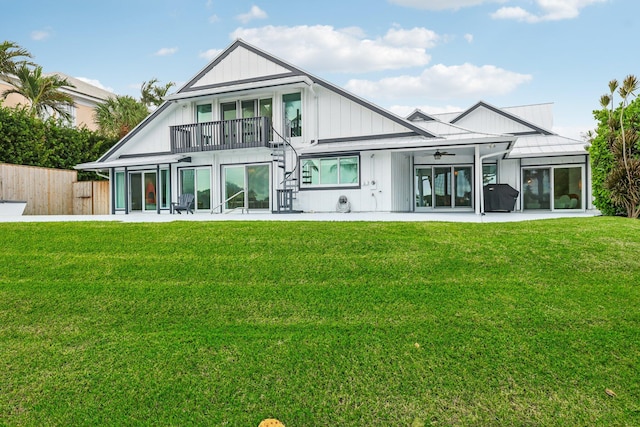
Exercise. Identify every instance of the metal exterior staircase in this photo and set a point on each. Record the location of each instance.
(285, 158)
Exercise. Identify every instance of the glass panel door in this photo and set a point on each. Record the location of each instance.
(422, 183)
(203, 185)
(197, 182)
(249, 130)
(266, 110)
(252, 184)
(442, 187)
(537, 188)
(136, 191)
(258, 186)
(150, 180)
(463, 186)
(229, 127)
(120, 190)
(567, 188)
(234, 184)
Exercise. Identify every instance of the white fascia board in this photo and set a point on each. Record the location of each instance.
(401, 144)
(261, 84)
(132, 161)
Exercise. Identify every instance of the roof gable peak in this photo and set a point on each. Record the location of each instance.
(482, 104)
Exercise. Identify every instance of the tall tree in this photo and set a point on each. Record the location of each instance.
(615, 151)
(152, 94)
(119, 115)
(42, 92)
(11, 56)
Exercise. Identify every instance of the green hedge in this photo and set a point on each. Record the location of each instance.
(27, 140)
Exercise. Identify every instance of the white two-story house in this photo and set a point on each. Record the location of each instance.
(252, 133)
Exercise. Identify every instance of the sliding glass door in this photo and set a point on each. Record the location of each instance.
(553, 188)
(443, 187)
(143, 191)
(197, 181)
(247, 186)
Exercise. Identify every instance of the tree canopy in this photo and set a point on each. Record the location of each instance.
(615, 150)
(119, 115)
(11, 56)
(42, 92)
(152, 94)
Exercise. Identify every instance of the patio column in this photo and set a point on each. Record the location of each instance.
(478, 167)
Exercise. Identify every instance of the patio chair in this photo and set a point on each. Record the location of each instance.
(184, 203)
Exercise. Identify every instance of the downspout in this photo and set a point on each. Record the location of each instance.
(317, 123)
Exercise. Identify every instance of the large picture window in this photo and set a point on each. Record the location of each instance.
(331, 172)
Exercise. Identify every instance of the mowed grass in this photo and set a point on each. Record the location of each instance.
(320, 324)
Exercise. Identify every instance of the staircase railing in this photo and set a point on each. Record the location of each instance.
(231, 210)
(288, 187)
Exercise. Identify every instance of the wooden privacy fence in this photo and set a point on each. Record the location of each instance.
(53, 191)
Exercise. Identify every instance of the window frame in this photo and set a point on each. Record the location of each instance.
(327, 186)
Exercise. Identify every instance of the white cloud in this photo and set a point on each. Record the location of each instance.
(254, 13)
(95, 83)
(166, 51)
(39, 35)
(210, 54)
(213, 18)
(415, 37)
(442, 4)
(550, 10)
(468, 38)
(443, 82)
(322, 48)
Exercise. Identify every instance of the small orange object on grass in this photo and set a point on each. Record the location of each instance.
(270, 422)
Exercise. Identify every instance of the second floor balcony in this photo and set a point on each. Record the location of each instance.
(221, 135)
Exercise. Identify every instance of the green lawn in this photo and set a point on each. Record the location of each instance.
(320, 324)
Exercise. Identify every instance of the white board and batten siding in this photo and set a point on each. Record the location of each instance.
(240, 64)
(484, 120)
(376, 192)
(341, 117)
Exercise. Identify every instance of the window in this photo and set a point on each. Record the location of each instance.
(204, 113)
(120, 193)
(331, 171)
(489, 174)
(293, 113)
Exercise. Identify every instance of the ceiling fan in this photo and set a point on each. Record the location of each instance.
(438, 154)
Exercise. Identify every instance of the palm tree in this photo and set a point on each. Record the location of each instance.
(152, 94)
(119, 115)
(9, 53)
(42, 92)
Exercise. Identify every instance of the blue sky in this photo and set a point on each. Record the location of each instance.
(438, 55)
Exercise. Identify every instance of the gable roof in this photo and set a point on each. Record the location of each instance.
(281, 72)
(534, 129)
(276, 71)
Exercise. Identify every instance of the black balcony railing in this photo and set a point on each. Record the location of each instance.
(222, 135)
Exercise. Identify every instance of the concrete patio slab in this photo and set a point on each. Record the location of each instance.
(337, 217)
